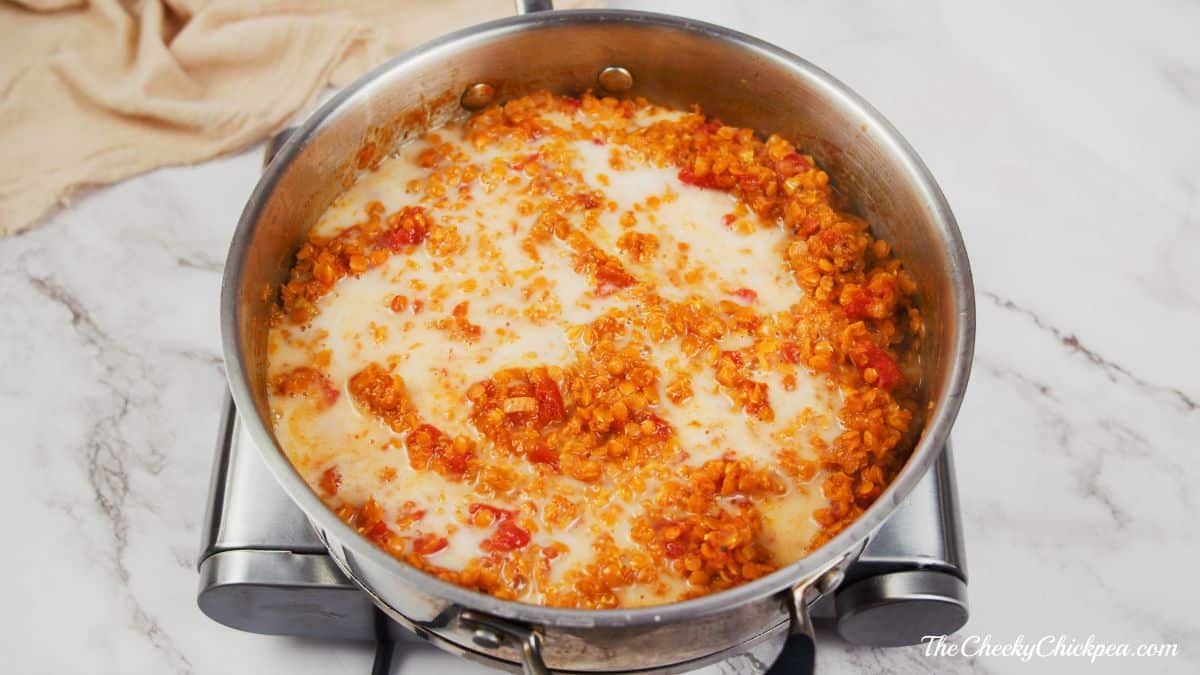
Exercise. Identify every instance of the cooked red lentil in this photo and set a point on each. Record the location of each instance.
(595, 353)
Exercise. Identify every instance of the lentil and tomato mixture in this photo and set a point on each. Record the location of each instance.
(594, 353)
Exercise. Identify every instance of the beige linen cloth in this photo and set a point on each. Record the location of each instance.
(95, 92)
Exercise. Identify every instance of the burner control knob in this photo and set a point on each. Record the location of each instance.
(900, 608)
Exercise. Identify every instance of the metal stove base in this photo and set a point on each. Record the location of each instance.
(263, 570)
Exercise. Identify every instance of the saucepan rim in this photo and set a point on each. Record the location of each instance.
(933, 437)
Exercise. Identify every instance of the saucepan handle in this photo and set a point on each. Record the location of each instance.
(491, 632)
(275, 143)
(529, 6)
(799, 653)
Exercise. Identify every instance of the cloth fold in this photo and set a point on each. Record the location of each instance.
(95, 92)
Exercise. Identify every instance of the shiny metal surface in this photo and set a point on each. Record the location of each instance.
(284, 593)
(274, 143)
(496, 632)
(675, 61)
(237, 490)
(910, 579)
(923, 532)
(262, 568)
(478, 96)
(615, 80)
(527, 6)
(901, 608)
(272, 575)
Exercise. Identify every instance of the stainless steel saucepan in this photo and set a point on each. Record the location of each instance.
(671, 61)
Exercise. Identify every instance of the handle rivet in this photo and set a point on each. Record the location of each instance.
(478, 96)
(615, 79)
(487, 638)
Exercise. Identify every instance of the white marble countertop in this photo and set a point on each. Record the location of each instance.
(1067, 138)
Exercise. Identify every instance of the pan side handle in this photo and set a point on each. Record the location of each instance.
(530, 6)
(799, 655)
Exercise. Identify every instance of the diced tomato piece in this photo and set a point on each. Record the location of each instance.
(687, 175)
(428, 544)
(792, 164)
(424, 443)
(746, 295)
(790, 351)
(407, 227)
(378, 532)
(549, 401)
(674, 549)
(875, 300)
(729, 219)
(573, 101)
(431, 448)
(884, 365)
(456, 464)
(331, 480)
(858, 305)
(397, 238)
(540, 454)
(612, 278)
(748, 182)
(508, 537)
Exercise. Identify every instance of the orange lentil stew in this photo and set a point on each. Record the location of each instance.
(595, 353)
